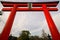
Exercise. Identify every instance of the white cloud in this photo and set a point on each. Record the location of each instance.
(30, 0)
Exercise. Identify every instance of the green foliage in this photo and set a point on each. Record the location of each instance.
(24, 35)
(0, 12)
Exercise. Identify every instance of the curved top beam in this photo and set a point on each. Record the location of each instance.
(34, 4)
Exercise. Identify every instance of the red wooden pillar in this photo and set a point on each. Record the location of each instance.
(6, 31)
(54, 32)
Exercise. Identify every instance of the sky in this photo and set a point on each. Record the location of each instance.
(35, 22)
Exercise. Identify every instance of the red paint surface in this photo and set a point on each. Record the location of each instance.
(32, 9)
(34, 4)
(54, 32)
(6, 31)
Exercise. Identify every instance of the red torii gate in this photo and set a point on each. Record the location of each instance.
(16, 6)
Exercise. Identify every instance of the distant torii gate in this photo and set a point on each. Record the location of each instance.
(30, 6)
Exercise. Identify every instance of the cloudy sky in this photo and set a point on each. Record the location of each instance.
(32, 21)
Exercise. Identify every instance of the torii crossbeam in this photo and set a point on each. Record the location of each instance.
(30, 6)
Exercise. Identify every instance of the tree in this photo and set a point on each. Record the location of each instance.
(0, 12)
(24, 35)
(35, 38)
(49, 37)
(44, 35)
(0, 15)
(12, 37)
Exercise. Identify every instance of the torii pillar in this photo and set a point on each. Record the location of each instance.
(45, 7)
